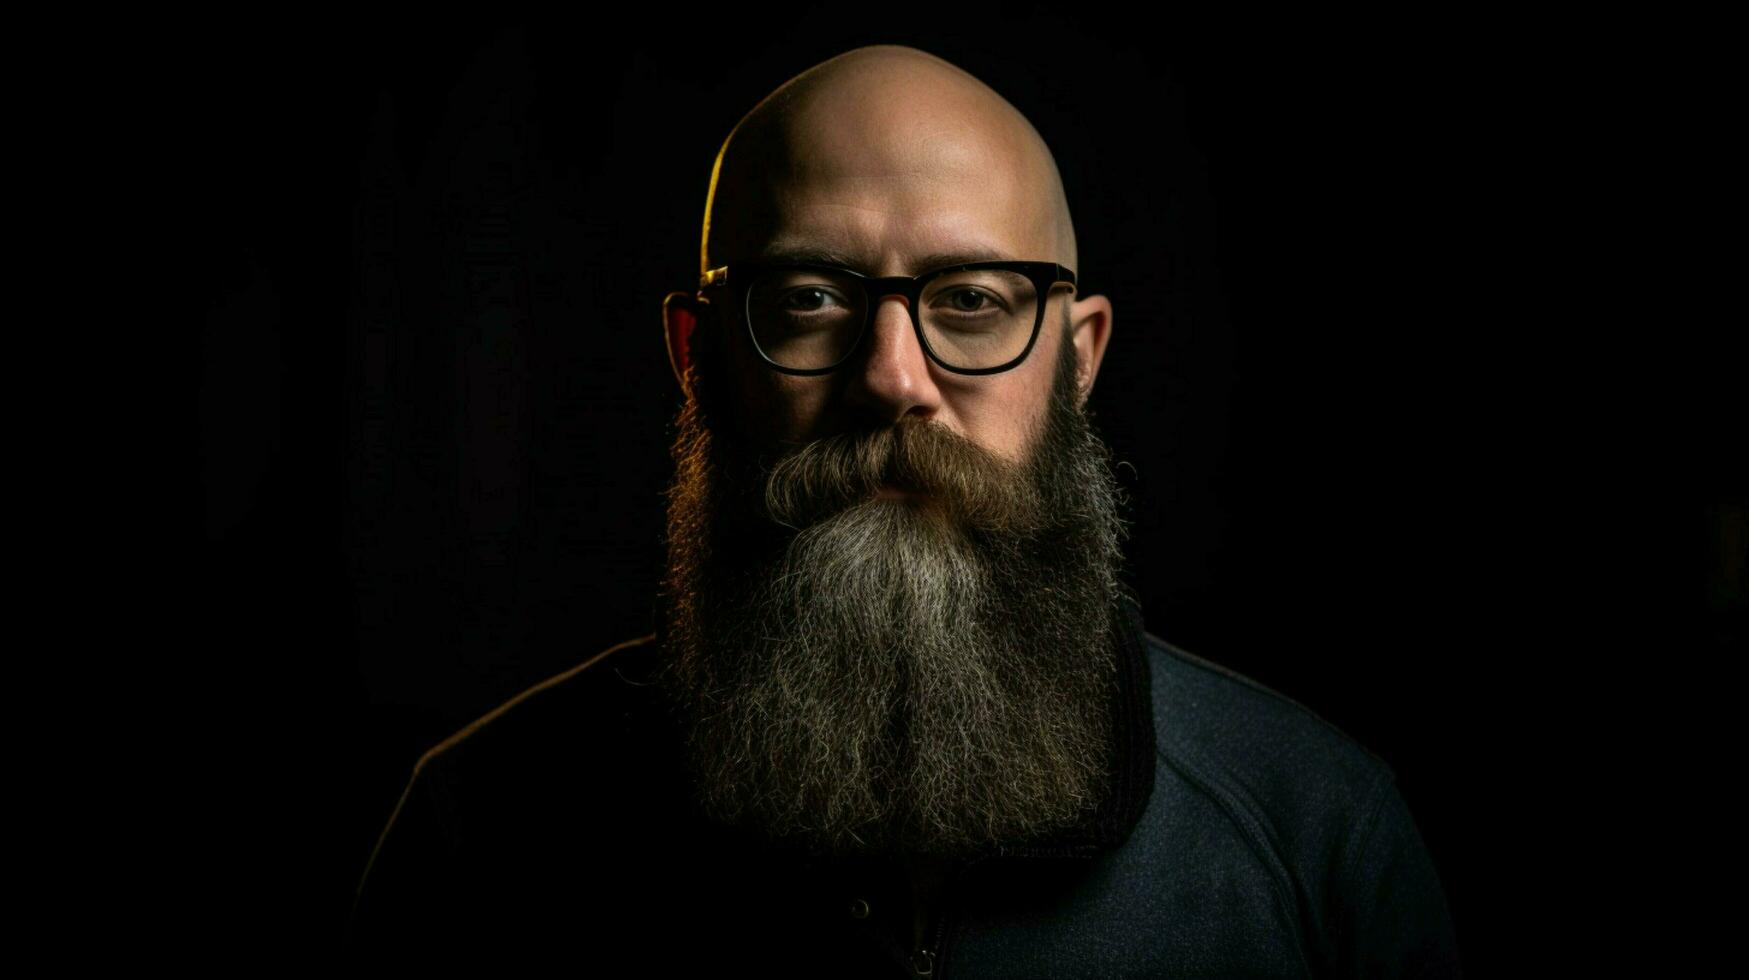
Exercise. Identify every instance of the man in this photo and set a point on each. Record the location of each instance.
(899, 717)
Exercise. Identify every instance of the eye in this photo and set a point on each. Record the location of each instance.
(969, 300)
(806, 300)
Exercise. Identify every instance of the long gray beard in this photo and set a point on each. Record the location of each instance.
(934, 675)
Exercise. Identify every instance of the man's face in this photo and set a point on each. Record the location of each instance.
(893, 201)
(891, 588)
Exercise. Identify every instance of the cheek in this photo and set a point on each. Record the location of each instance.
(1004, 416)
(768, 405)
(1028, 399)
(747, 394)
(793, 406)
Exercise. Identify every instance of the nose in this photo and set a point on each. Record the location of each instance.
(891, 378)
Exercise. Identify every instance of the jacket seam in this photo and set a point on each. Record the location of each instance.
(1201, 778)
(1370, 826)
(1375, 811)
(1254, 838)
(1253, 824)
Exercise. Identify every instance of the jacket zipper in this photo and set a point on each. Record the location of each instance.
(925, 956)
(927, 936)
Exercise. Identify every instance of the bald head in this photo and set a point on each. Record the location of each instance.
(886, 154)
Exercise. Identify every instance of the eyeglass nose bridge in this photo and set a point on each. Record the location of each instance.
(876, 291)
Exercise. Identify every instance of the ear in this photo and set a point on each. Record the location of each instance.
(1090, 328)
(681, 315)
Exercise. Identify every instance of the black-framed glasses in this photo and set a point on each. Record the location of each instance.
(976, 318)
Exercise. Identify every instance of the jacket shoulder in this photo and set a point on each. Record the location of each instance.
(1226, 719)
(547, 730)
(546, 750)
(1318, 809)
(1299, 787)
(558, 710)
(524, 795)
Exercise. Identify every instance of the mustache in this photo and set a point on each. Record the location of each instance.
(971, 485)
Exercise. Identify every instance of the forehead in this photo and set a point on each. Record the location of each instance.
(895, 185)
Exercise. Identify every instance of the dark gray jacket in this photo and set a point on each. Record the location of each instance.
(1246, 838)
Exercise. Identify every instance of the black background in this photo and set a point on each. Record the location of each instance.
(435, 403)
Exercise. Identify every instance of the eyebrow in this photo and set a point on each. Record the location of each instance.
(817, 255)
